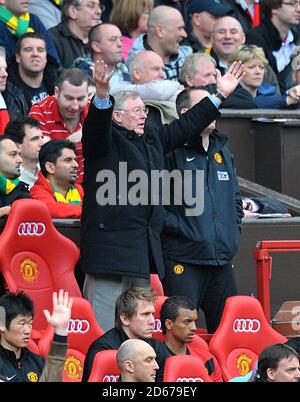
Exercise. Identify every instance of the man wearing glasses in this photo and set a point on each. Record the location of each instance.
(277, 35)
(122, 215)
(71, 35)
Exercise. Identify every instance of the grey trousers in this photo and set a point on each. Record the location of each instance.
(102, 290)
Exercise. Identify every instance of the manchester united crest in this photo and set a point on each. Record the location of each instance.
(32, 377)
(243, 364)
(178, 269)
(73, 367)
(218, 158)
(29, 270)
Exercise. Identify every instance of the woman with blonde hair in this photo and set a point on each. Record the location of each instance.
(131, 17)
(252, 91)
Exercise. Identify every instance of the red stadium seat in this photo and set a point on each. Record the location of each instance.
(83, 330)
(185, 368)
(157, 333)
(241, 336)
(36, 258)
(105, 367)
(156, 284)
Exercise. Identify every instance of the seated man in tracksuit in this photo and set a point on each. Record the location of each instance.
(198, 247)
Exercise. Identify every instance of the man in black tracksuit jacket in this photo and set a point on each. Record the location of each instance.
(198, 249)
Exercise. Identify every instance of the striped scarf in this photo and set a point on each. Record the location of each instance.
(57, 3)
(72, 197)
(17, 26)
(7, 186)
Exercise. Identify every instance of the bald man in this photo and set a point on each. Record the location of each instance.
(136, 360)
(165, 32)
(227, 36)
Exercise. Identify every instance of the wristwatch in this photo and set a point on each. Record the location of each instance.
(220, 96)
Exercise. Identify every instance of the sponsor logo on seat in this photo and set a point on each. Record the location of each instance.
(73, 367)
(246, 325)
(31, 229)
(110, 378)
(157, 325)
(189, 379)
(77, 326)
(29, 270)
(243, 362)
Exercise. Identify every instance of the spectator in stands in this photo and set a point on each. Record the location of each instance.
(19, 364)
(198, 70)
(227, 36)
(70, 36)
(49, 11)
(199, 247)
(131, 17)
(4, 116)
(62, 115)
(248, 12)
(165, 32)
(115, 134)
(202, 15)
(56, 185)
(147, 79)
(278, 363)
(134, 319)
(26, 132)
(15, 20)
(136, 360)
(252, 91)
(105, 41)
(277, 36)
(31, 75)
(178, 317)
(263, 205)
(11, 188)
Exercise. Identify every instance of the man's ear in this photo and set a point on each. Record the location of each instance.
(184, 110)
(270, 374)
(136, 74)
(73, 12)
(124, 319)
(117, 117)
(159, 31)
(129, 366)
(168, 324)
(49, 166)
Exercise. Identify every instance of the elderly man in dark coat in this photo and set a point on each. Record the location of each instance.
(122, 213)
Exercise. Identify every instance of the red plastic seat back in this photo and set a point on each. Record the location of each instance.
(156, 284)
(105, 367)
(241, 336)
(82, 331)
(35, 257)
(185, 368)
(157, 333)
(74, 365)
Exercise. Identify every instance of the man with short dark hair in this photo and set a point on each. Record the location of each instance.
(56, 184)
(31, 74)
(278, 363)
(26, 132)
(19, 364)
(11, 188)
(134, 319)
(62, 115)
(178, 317)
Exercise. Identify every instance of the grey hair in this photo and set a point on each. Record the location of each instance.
(191, 65)
(122, 96)
(2, 52)
(65, 16)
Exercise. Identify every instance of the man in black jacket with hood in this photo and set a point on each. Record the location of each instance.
(198, 248)
(122, 218)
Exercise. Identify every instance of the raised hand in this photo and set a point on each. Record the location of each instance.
(62, 307)
(101, 77)
(229, 81)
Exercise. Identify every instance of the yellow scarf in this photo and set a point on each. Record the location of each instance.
(7, 186)
(72, 196)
